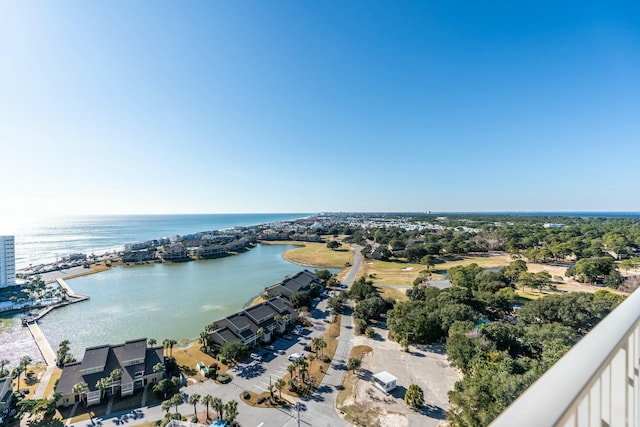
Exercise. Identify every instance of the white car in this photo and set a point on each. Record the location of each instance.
(256, 356)
(270, 348)
(295, 356)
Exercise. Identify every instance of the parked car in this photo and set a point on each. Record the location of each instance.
(255, 356)
(288, 338)
(270, 348)
(307, 347)
(295, 356)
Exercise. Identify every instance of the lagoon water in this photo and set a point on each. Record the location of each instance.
(163, 300)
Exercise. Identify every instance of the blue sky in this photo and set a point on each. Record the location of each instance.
(306, 106)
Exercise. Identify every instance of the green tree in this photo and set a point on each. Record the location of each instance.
(152, 342)
(177, 400)
(166, 406)
(300, 299)
(3, 363)
(323, 275)
(370, 308)
(353, 363)
(81, 390)
(429, 261)
(232, 351)
(207, 400)
(362, 289)
(194, 399)
(231, 411)
(22, 367)
(414, 397)
(541, 280)
(218, 405)
(279, 386)
(114, 378)
(62, 354)
(333, 245)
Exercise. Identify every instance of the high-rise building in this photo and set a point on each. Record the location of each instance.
(7, 261)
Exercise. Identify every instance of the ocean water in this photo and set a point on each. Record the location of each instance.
(43, 240)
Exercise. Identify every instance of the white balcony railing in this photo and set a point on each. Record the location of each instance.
(596, 384)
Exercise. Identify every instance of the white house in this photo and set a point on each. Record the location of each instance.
(385, 381)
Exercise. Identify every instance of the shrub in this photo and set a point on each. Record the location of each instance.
(369, 332)
(326, 359)
(223, 378)
(246, 395)
(261, 400)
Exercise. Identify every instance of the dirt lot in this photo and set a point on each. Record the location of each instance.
(426, 366)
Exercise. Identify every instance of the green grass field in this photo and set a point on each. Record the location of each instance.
(404, 273)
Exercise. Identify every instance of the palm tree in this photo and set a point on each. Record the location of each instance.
(204, 339)
(353, 363)
(22, 367)
(260, 332)
(231, 411)
(194, 399)
(321, 344)
(166, 406)
(165, 345)
(207, 399)
(177, 400)
(314, 344)
(171, 343)
(102, 385)
(115, 377)
(217, 404)
(280, 385)
(270, 388)
(152, 342)
(80, 389)
(3, 363)
(291, 369)
(302, 368)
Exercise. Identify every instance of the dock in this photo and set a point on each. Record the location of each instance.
(70, 292)
(47, 352)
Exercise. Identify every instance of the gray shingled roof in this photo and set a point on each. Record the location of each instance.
(134, 350)
(261, 313)
(224, 335)
(240, 321)
(280, 304)
(95, 357)
(113, 358)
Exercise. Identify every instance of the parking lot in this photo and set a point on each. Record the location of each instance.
(256, 375)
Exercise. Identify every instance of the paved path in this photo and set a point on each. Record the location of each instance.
(44, 380)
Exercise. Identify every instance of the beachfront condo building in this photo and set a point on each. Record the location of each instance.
(7, 261)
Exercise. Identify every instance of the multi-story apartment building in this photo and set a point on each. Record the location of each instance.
(7, 261)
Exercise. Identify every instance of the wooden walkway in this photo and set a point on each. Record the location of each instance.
(43, 345)
(47, 352)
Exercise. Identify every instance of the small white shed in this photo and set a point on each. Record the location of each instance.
(385, 381)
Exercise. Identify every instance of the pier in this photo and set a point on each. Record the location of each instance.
(47, 352)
